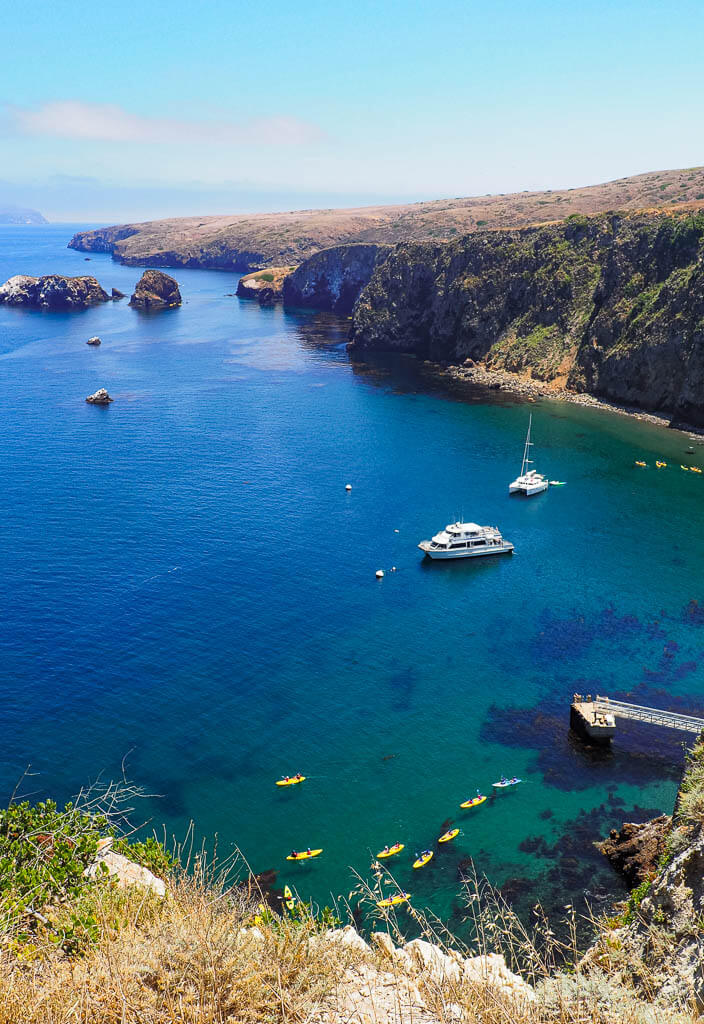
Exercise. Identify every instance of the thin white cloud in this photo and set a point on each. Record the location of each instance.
(106, 122)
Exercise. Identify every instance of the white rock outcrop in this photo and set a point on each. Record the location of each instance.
(124, 870)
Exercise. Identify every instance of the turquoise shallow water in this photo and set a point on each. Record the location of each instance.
(186, 583)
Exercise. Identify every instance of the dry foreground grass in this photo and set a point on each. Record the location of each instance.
(258, 240)
(210, 954)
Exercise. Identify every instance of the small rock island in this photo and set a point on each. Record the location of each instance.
(100, 397)
(155, 290)
(267, 286)
(54, 291)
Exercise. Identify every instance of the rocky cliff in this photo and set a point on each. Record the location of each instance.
(334, 278)
(52, 292)
(612, 305)
(246, 242)
(657, 944)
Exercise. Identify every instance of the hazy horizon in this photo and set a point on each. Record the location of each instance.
(204, 110)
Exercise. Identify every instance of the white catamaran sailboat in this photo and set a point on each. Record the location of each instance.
(529, 482)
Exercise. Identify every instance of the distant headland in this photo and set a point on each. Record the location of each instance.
(20, 215)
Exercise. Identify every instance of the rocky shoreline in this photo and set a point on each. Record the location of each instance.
(533, 390)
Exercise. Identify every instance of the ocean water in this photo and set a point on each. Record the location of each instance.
(188, 591)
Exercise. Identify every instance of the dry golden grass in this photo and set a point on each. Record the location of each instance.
(196, 958)
(265, 239)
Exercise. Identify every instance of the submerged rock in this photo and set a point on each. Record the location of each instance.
(53, 291)
(94, 340)
(156, 290)
(100, 397)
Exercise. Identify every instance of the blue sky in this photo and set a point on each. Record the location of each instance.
(130, 110)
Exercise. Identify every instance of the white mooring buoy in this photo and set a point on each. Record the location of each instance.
(379, 574)
(348, 487)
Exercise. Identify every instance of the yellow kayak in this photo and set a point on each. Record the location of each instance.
(694, 469)
(639, 463)
(426, 856)
(306, 855)
(474, 802)
(685, 468)
(289, 901)
(390, 851)
(393, 901)
(661, 465)
(450, 834)
(292, 780)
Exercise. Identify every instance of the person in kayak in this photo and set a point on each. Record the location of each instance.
(479, 795)
(504, 780)
(309, 851)
(294, 854)
(285, 778)
(386, 849)
(299, 777)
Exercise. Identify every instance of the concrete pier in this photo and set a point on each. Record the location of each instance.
(591, 720)
(596, 719)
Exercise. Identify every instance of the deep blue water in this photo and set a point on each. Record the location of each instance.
(185, 582)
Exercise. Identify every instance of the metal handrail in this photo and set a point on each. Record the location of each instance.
(638, 713)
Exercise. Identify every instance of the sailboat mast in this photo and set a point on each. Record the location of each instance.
(527, 446)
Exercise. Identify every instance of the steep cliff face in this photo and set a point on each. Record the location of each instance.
(333, 279)
(658, 944)
(102, 239)
(612, 305)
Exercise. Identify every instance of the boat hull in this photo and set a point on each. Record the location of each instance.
(445, 555)
(528, 489)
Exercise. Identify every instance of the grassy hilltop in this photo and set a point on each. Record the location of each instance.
(253, 241)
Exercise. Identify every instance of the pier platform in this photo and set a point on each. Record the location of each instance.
(595, 719)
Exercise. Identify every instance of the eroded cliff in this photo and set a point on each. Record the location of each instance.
(334, 278)
(612, 305)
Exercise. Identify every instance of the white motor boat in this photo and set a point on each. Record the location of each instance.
(466, 540)
(529, 481)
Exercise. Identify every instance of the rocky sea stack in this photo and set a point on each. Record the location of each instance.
(100, 397)
(156, 290)
(54, 291)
